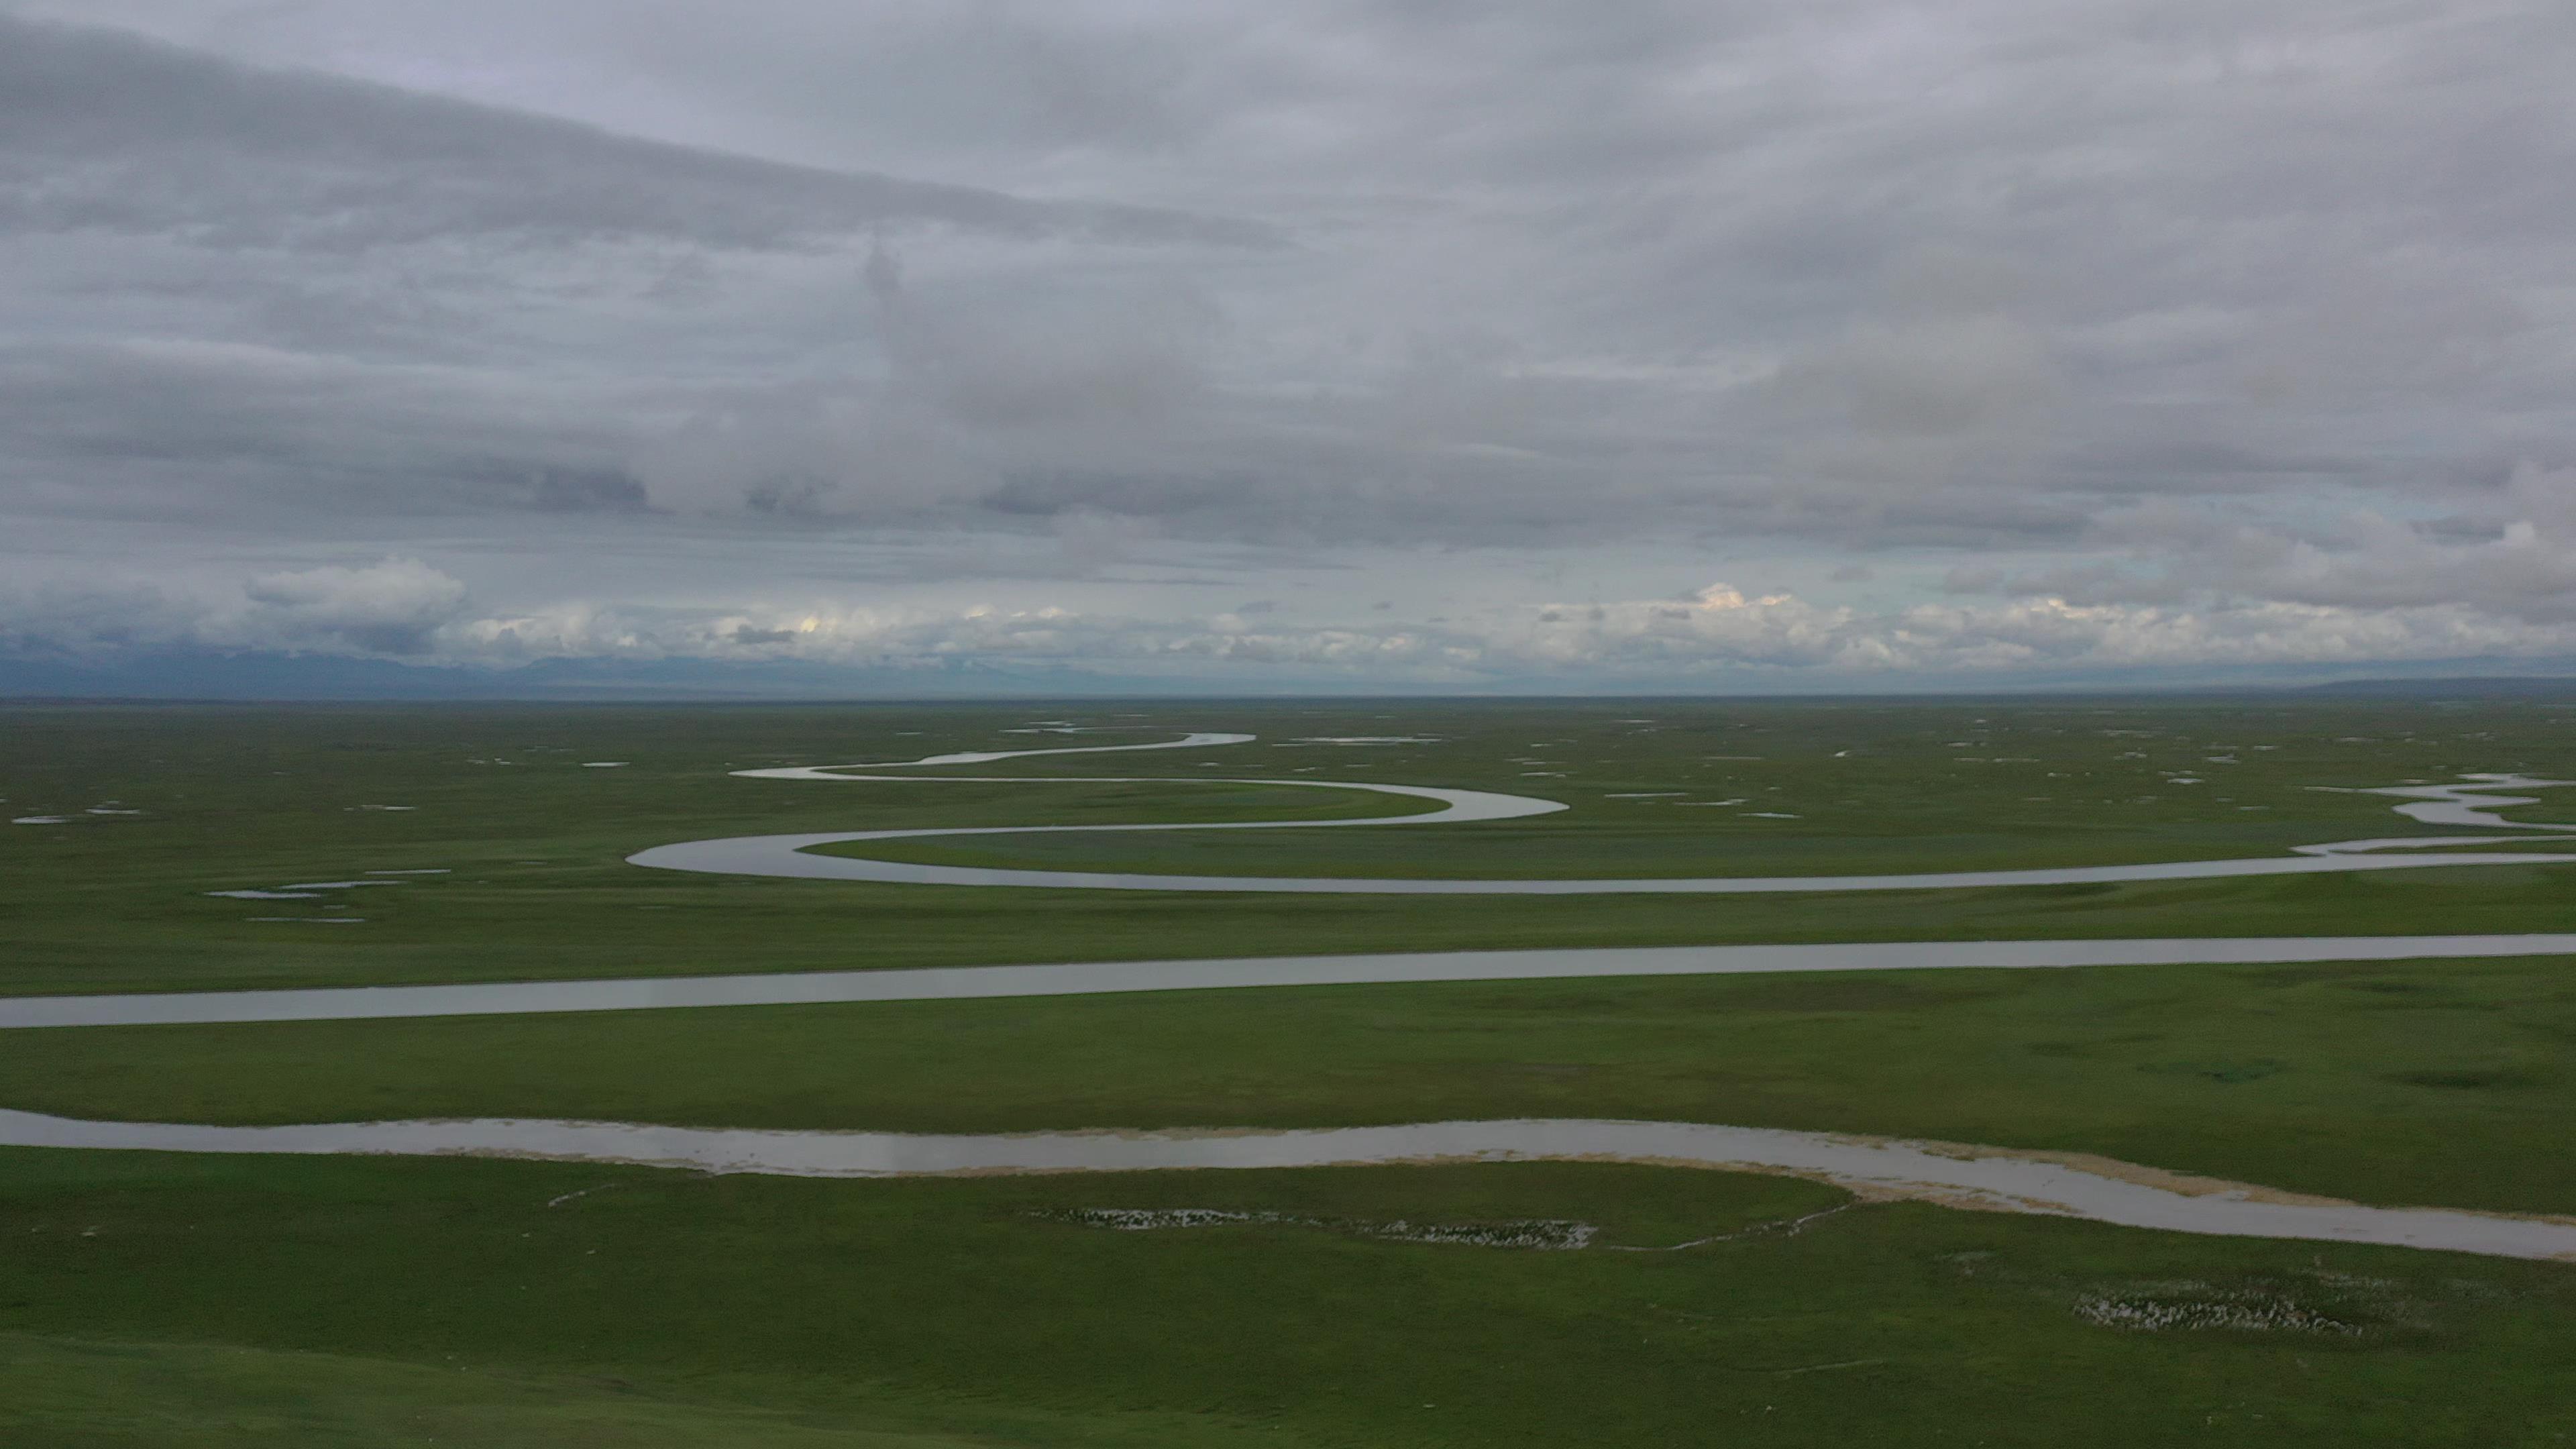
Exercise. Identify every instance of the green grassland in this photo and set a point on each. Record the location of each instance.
(149, 1299)
(674, 1304)
(2442, 1083)
(535, 848)
(86, 1394)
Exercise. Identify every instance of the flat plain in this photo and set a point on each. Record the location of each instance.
(160, 1299)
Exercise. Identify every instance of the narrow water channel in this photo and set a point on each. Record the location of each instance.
(1983, 1179)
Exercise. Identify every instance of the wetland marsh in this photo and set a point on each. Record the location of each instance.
(2277, 1029)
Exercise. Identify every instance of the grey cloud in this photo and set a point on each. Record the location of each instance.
(1700, 273)
(390, 608)
(564, 488)
(107, 132)
(395, 607)
(249, 426)
(62, 618)
(400, 608)
(1122, 356)
(2517, 561)
(2147, 320)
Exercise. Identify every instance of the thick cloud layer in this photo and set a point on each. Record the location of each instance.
(2124, 336)
(116, 134)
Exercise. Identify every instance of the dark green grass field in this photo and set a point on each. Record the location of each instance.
(676, 1309)
(162, 1300)
(2443, 1083)
(534, 842)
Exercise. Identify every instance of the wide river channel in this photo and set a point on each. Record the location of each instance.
(1973, 1177)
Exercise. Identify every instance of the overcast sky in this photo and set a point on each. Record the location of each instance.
(1298, 344)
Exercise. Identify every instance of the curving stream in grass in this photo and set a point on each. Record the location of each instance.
(1949, 1174)
(1876, 1168)
(2472, 803)
(792, 856)
(1093, 978)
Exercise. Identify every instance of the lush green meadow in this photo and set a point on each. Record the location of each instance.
(534, 841)
(149, 1299)
(681, 1309)
(2444, 1083)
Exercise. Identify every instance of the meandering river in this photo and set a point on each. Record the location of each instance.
(1972, 1177)
(1087, 978)
(1948, 1173)
(793, 856)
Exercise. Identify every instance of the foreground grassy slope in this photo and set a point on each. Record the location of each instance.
(532, 841)
(953, 1305)
(2436, 1082)
(84, 1394)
